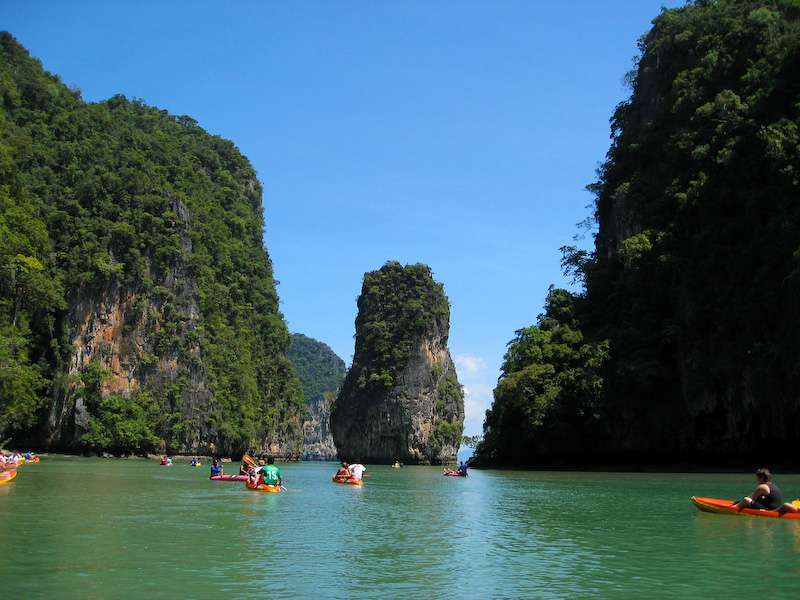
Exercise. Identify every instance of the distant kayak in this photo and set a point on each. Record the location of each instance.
(228, 478)
(7, 476)
(453, 474)
(264, 487)
(723, 507)
(347, 480)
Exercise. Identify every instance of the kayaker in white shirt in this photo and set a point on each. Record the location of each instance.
(357, 471)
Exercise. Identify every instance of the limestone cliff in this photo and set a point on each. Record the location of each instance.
(135, 284)
(321, 373)
(401, 399)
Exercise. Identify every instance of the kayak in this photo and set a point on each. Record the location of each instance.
(264, 487)
(198, 465)
(7, 476)
(723, 507)
(347, 480)
(228, 478)
(453, 474)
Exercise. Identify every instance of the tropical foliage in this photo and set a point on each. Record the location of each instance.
(117, 198)
(320, 370)
(695, 277)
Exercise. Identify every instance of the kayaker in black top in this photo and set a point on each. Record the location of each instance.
(767, 495)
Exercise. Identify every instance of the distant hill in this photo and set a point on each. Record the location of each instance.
(321, 373)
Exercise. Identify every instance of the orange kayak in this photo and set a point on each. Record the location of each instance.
(348, 481)
(723, 507)
(264, 487)
(7, 476)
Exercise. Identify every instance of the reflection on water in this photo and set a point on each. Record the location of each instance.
(91, 528)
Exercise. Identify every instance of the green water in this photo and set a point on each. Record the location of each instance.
(94, 528)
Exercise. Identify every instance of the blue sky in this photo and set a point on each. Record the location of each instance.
(459, 134)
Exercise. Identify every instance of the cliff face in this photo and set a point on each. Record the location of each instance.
(401, 399)
(141, 301)
(321, 373)
(686, 341)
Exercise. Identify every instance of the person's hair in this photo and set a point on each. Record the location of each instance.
(270, 460)
(763, 474)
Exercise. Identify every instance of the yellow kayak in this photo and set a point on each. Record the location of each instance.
(7, 476)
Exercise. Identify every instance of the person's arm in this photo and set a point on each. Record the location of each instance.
(761, 490)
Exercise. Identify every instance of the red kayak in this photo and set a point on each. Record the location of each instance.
(723, 507)
(453, 474)
(228, 478)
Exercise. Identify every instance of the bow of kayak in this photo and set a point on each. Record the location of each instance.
(723, 507)
(7, 476)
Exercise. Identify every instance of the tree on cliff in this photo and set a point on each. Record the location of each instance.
(401, 398)
(117, 204)
(696, 272)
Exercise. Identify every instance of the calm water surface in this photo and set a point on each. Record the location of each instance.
(94, 528)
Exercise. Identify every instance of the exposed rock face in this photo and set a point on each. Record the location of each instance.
(401, 399)
(321, 373)
(317, 437)
(118, 330)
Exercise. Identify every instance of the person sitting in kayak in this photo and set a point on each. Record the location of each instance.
(255, 472)
(462, 468)
(357, 471)
(343, 472)
(766, 496)
(216, 468)
(269, 474)
(194, 461)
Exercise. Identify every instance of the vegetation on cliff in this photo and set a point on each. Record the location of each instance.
(397, 305)
(111, 196)
(321, 373)
(319, 368)
(401, 398)
(695, 276)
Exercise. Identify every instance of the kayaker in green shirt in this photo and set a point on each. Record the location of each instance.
(269, 474)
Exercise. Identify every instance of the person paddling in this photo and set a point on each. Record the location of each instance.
(462, 468)
(269, 474)
(216, 468)
(766, 496)
(343, 472)
(357, 471)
